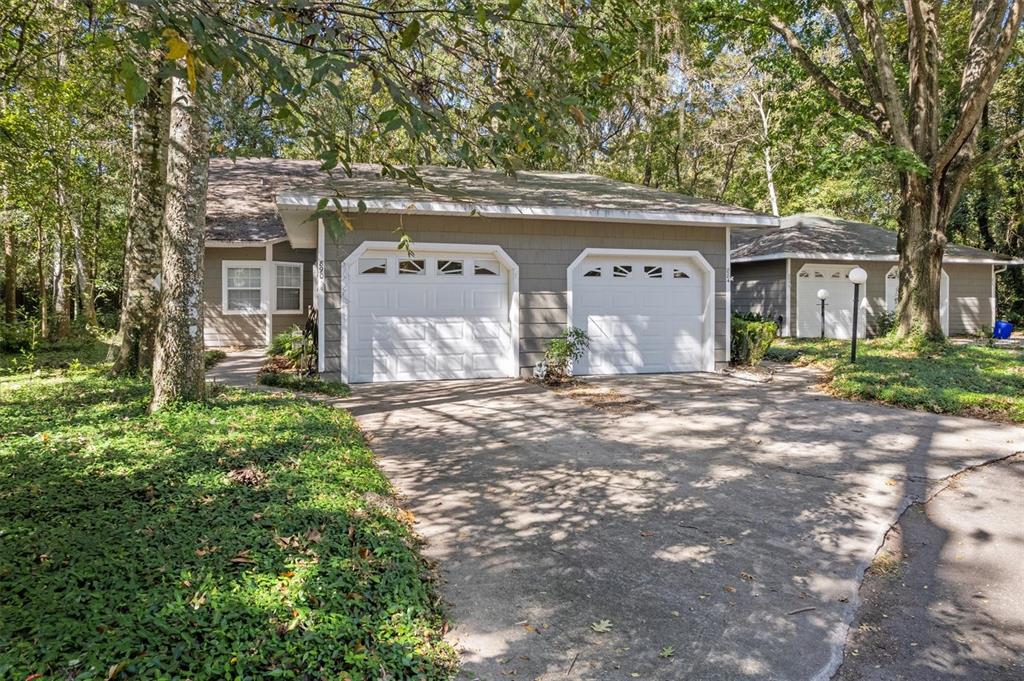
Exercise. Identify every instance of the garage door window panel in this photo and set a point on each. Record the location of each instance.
(412, 267)
(243, 288)
(486, 268)
(373, 266)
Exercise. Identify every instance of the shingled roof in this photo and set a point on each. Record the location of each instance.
(818, 237)
(243, 197)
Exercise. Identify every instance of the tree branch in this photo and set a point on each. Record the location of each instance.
(889, 96)
(998, 149)
(984, 64)
(840, 96)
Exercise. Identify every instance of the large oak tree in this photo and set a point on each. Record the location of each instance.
(918, 75)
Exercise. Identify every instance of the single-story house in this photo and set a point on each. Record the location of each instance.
(498, 266)
(778, 274)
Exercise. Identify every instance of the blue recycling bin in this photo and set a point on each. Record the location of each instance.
(1002, 330)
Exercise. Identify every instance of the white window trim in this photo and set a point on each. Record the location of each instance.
(264, 294)
(302, 273)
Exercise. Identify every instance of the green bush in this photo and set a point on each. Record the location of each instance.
(751, 340)
(296, 347)
(212, 357)
(886, 323)
(561, 352)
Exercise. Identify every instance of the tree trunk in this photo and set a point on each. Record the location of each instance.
(921, 242)
(10, 274)
(44, 303)
(178, 372)
(85, 286)
(766, 151)
(140, 299)
(61, 296)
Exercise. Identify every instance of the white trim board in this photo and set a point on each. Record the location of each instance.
(455, 208)
(869, 258)
(493, 250)
(698, 259)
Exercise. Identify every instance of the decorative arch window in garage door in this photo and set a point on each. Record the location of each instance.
(439, 313)
(645, 311)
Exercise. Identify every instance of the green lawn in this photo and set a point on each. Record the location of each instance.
(250, 537)
(968, 380)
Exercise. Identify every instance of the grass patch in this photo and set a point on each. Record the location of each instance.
(885, 564)
(967, 380)
(306, 384)
(249, 537)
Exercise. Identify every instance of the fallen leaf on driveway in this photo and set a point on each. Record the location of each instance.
(666, 652)
(729, 589)
(602, 626)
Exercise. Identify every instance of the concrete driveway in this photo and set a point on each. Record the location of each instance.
(720, 530)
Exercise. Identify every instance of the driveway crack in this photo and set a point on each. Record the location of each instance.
(850, 615)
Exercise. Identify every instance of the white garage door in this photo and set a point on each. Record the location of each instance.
(644, 313)
(431, 315)
(838, 306)
(892, 289)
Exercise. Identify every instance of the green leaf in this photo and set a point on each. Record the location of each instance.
(135, 86)
(514, 6)
(410, 33)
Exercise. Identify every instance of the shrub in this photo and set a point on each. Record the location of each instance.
(886, 323)
(751, 340)
(212, 357)
(560, 354)
(298, 348)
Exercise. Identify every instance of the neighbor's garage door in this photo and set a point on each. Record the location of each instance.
(838, 306)
(431, 316)
(643, 313)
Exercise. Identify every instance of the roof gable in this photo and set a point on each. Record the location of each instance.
(821, 237)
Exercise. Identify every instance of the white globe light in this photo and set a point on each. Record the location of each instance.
(822, 294)
(858, 275)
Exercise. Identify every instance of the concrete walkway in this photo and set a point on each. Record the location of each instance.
(703, 527)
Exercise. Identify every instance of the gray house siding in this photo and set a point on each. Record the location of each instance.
(760, 287)
(543, 249)
(248, 330)
(970, 299)
(756, 288)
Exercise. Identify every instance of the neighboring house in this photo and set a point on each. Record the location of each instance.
(498, 267)
(778, 274)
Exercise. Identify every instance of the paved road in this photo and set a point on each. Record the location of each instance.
(711, 528)
(951, 606)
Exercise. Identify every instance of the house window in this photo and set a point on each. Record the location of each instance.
(652, 271)
(373, 266)
(486, 268)
(621, 271)
(411, 267)
(288, 287)
(243, 288)
(449, 267)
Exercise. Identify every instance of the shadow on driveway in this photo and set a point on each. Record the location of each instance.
(722, 533)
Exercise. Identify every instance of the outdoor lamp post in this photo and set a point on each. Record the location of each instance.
(822, 296)
(858, 276)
